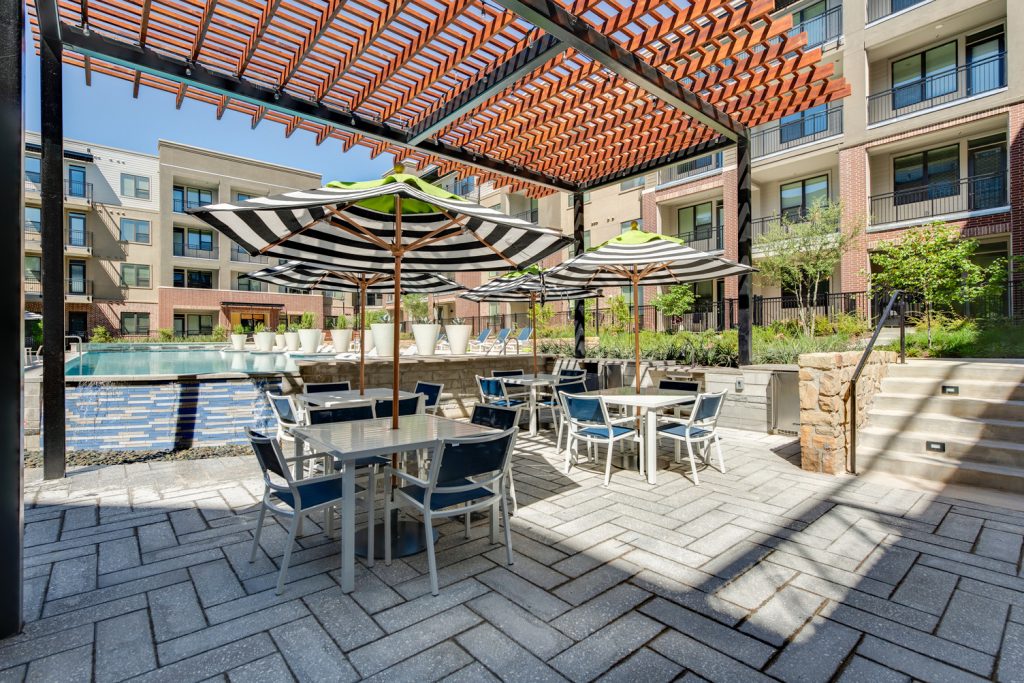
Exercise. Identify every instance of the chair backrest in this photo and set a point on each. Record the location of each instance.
(283, 409)
(571, 386)
(524, 334)
(678, 385)
(507, 373)
(490, 387)
(584, 409)
(406, 406)
(431, 391)
(706, 410)
(268, 453)
(484, 334)
(458, 459)
(572, 372)
(363, 410)
(503, 334)
(499, 417)
(327, 386)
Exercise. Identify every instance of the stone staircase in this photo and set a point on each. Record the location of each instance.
(956, 421)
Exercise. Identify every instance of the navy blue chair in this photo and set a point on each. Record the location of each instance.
(465, 475)
(571, 372)
(499, 417)
(508, 373)
(383, 407)
(699, 429)
(574, 385)
(327, 386)
(589, 423)
(493, 392)
(687, 386)
(431, 393)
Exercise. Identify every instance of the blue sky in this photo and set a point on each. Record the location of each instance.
(106, 113)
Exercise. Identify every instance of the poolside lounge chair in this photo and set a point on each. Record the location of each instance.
(480, 340)
(500, 341)
(520, 339)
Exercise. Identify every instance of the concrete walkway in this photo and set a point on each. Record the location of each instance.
(766, 572)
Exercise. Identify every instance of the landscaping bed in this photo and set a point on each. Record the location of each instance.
(79, 458)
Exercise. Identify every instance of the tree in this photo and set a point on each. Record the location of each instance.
(621, 313)
(937, 264)
(543, 314)
(677, 301)
(416, 307)
(800, 254)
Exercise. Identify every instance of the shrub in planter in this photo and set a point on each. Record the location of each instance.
(383, 335)
(341, 335)
(458, 335)
(101, 335)
(220, 333)
(309, 334)
(264, 338)
(238, 338)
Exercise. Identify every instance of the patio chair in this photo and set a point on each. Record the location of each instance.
(558, 412)
(589, 422)
(326, 386)
(700, 429)
(679, 385)
(572, 372)
(499, 417)
(517, 392)
(500, 341)
(382, 407)
(507, 373)
(493, 392)
(480, 340)
(285, 413)
(431, 395)
(465, 476)
(292, 499)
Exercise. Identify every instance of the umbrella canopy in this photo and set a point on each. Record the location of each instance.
(529, 286)
(637, 258)
(302, 276)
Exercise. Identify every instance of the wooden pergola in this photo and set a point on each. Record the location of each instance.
(534, 95)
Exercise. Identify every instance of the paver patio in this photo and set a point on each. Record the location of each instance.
(766, 572)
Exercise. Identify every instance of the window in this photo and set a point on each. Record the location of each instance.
(248, 285)
(925, 175)
(796, 197)
(134, 230)
(33, 218)
(243, 196)
(32, 168)
(374, 299)
(986, 166)
(586, 240)
(627, 293)
(185, 198)
(200, 240)
(193, 242)
(136, 186)
(924, 76)
(135, 324)
(76, 278)
(193, 324)
(330, 321)
(985, 58)
(135, 275)
(193, 279)
(696, 222)
(803, 124)
(33, 268)
(631, 184)
(76, 181)
(76, 230)
(626, 226)
(586, 198)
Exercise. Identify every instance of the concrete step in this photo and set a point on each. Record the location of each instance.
(938, 468)
(999, 371)
(968, 388)
(958, 448)
(953, 406)
(939, 426)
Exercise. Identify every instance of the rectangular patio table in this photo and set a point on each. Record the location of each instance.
(649, 401)
(533, 382)
(319, 399)
(349, 441)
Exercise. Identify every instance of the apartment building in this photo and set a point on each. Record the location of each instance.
(136, 262)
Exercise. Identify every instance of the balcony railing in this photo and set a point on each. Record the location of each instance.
(981, 76)
(78, 287)
(877, 9)
(33, 226)
(976, 193)
(532, 215)
(760, 226)
(239, 255)
(778, 136)
(821, 29)
(81, 239)
(194, 252)
(33, 275)
(78, 189)
(704, 238)
(691, 168)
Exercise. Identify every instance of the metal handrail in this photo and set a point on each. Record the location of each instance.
(75, 336)
(852, 392)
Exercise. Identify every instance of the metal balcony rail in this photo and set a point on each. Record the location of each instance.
(33, 226)
(974, 193)
(195, 252)
(533, 215)
(878, 9)
(32, 275)
(760, 226)
(182, 205)
(78, 189)
(953, 84)
(78, 238)
(78, 286)
(691, 168)
(706, 238)
(778, 137)
(821, 29)
(240, 255)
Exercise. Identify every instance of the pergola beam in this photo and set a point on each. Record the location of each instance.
(700, 149)
(577, 33)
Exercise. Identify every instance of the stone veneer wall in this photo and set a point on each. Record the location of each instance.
(825, 404)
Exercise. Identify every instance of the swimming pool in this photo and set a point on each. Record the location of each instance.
(142, 362)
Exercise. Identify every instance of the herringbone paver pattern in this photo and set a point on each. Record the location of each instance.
(765, 572)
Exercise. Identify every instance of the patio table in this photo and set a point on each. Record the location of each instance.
(649, 400)
(349, 441)
(533, 382)
(319, 399)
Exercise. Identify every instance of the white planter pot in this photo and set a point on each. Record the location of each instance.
(309, 340)
(279, 341)
(342, 340)
(265, 341)
(291, 341)
(425, 335)
(367, 340)
(383, 338)
(238, 341)
(458, 337)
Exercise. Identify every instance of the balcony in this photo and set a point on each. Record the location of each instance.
(961, 83)
(707, 238)
(533, 215)
(239, 255)
(33, 236)
(78, 290)
(78, 242)
(822, 29)
(691, 168)
(77, 194)
(780, 136)
(879, 9)
(196, 252)
(950, 200)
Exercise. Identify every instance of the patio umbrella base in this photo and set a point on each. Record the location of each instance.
(407, 538)
(626, 461)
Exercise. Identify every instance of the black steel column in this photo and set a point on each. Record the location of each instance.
(744, 241)
(579, 314)
(12, 22)
(52, 218)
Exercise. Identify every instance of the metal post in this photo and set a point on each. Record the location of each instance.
(903, 329)
(12, 22)
(579, 313)
(52, 217)
(744, 245)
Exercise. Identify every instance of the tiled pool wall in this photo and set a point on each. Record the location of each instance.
(165, 415)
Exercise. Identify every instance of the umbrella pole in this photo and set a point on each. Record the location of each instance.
(396, 339)
(533, 321)
(362, 337)
(636, 327)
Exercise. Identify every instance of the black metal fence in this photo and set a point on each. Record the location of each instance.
(824, 28)
(974, 193)
(783, 135)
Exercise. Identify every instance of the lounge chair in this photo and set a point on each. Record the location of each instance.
(520, 339)
(500, 341)
(480, 340)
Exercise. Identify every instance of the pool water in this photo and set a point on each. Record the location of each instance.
(143, 362)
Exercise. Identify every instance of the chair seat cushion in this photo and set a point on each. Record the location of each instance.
(679, 430)
(602, 432)
(314, 493)
(441, 500)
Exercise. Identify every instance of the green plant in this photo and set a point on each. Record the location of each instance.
(457, 321)
(260, 327)
(937, 264)
(35, 330)
(341, 322)
(850, 325)
(165, 334)
(621, 313)
(101, 335)
(786, 327)
(416, 307)
(237, 329)
(220, 333)
(307, 321)
(543, 314)
(677, 301)
(282, 328)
